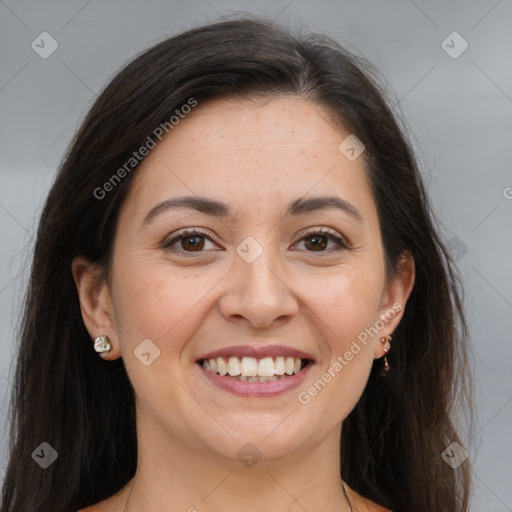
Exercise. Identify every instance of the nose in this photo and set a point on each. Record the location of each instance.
(257, 293)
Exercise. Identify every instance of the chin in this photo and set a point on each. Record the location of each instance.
(261, 438)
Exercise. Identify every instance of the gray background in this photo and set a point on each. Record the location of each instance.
(458, 110)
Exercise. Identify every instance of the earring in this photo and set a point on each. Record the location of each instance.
(385, 340)
(102, 344)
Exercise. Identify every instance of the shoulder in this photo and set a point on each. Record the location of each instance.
(99, 507)
(369, 505)
(374, 507)
(102, 506)
(113, 503)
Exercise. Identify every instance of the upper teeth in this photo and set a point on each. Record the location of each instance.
(252, 367)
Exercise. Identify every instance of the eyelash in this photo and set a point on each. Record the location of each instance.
(190, 232)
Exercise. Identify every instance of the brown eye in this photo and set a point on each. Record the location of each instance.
(187, 241)
(192, 243)
(316, 242)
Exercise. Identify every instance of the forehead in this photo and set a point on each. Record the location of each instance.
(283, 126)
(251, 151)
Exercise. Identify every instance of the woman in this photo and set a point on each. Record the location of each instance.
(238, 298)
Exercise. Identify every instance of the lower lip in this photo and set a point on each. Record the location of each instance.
(257, 389)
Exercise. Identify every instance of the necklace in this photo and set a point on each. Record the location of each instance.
(128, 499)
(349, 508)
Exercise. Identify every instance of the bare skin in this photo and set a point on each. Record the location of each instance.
(192, 298)
(117, 502)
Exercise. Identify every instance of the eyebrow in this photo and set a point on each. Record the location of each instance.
(215, 208)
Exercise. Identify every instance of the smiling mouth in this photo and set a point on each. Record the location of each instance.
(251, 369)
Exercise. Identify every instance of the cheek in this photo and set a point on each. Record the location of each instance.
(349, 302)
(357, 299)
(156, 302)
(349, 309)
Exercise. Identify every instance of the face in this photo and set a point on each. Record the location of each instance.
(276, 254)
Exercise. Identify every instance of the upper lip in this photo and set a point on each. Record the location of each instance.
(257, 352)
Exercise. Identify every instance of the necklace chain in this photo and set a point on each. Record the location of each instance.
(349, 508)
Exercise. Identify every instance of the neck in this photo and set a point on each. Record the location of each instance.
(172, 475)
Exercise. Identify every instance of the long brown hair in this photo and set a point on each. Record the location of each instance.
(83, 406)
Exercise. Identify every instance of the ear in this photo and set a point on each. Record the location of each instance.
(394, 298)
(95, 303)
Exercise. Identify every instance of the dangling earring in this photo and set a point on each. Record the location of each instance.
(385, 340)
(102, 344)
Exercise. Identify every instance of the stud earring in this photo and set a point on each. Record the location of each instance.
(102, 344)
(385, 340)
